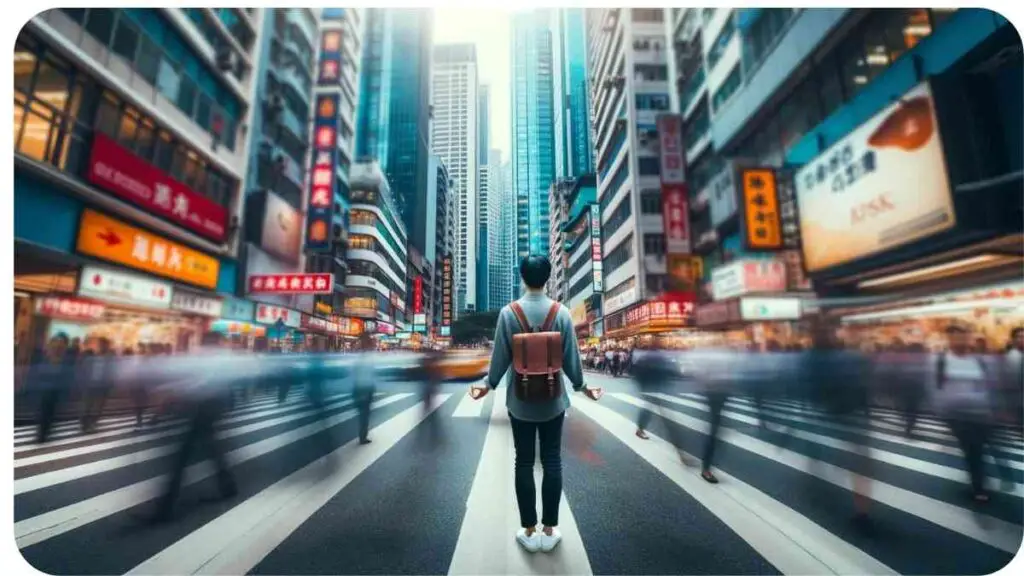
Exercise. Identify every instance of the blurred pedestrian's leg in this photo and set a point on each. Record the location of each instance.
(716, 401)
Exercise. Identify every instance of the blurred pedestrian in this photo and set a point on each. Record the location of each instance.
(53, 376)
(99, 379)
(535, 336)
(363, 387)
(654, 372)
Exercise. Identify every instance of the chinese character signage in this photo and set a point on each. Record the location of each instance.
(446, 295)
(320, 209)
(117, 170)
(595, 242)
(684, 272)
(69, 308)
(673, 309)
(883, 185)
(670, 136)
(329, 73)
(324, 308)
(113, 286)
(112, 240)
(267, 314)
(236, 309)
(291, 283)
(676, 216)
(748, 276)
(196, 304)
(762, 221)
(361, 306)
(417, 295)
(317, 324)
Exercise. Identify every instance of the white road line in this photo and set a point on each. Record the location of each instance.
(827, 421)
(892, 458)
(998, 533)
(787, 539)
(487, 543)
(50, 524)
(469, 408)
(236, 541)
(71, 473)
(240, 417)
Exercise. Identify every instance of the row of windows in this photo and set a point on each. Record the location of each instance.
(616, 182)
(760, 38)
(651, 73)
(160, 55)
(57, 109)
(722, 42)
(649, 166)
(691, 88)
(648, 14)
(650, 201)
(367, 268)
(696, 125)
(728, 87)
(580, 285)
(580, 264)
(620, 255)
(652, 102)
(654, 244)
(623, 212)
(212, 33)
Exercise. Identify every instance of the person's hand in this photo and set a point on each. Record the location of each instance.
(478, 392)
(594, 393)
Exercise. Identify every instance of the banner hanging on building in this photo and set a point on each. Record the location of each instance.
(417, 295)
(329, 73)
(69, 308)
(762, 228)
(320, 209)
(675, 206)
(114, 286)
(595, 247)
(291, 283)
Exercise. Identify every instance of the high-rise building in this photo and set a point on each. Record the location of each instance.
(582, 246)
(483, 112)
(453, 137)
(394, 108)
(558, 197)
(573, 154)
(507, 266)
(627, 61)
(495, 199)
(108, 102)
(533, 141)
(441, 225)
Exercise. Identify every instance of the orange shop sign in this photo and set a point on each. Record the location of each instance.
(115, 241)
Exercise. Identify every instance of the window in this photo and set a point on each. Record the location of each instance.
(650, 202)
(652, 102)
(100, 23)
(619, 217)
(697, 125)
(655, 283)
(721, 42)
(649, 166)
(763, 33)
(654, 243)
(648, 14)
(690, 89)
(126, 39)
(168, 80)
(620, 255)
(651, 73)
(707, 14)
(727, 89)
(616, 182)
(147, 61)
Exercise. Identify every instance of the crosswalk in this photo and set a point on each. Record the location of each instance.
(434, 492)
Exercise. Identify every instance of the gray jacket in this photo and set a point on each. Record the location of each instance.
(536, 307)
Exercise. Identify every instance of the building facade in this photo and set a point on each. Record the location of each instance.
(453, 137)
(627, 61)
(441, 205)
(573, 153)
(581, 239)
(484, 175)
(533, 130)
(558, 198)
(507, 271)
(108, 103)
(377, 252)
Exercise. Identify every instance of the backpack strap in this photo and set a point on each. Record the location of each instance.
(517, 311)
(549, 320)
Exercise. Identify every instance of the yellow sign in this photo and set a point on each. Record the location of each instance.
(115, 241)
(763, 228)
(579, 314)
(685, 273)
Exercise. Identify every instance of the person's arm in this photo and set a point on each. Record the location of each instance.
(501, 354)
(571, 364)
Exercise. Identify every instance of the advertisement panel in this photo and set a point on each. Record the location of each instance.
(267, 314)
(69, 308)
(748, 276)
(320, 208)
(760, 309)
(236, 309)
(192, 303)
(721, 193)
(673, 159)
(320, 283)
(884, 185)
(282, 229)
(119, 287)
(115, 241)
(361, 306)
(684, 272)
(385, 328)
(446, 296)
(718, 313)
(762, 223)
(620, 301)
(129, 177)
(417, 296)
(595, 246)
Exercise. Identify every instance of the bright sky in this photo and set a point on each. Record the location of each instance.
(490, 30)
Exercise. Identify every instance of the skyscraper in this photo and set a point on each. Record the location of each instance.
(496, 298)
(453, 137)
(533, 142)
(573, 156)
(394, 108)
(506, 274)
(483, 185)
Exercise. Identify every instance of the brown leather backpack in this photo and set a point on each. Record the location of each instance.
(537, 358)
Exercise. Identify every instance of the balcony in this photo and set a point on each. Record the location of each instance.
(288, 75)
(302, 18)
(298, 127)
(270, 176)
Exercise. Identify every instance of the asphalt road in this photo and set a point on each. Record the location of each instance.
(434, 494)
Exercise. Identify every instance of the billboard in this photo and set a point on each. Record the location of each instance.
(595, 243)
(675, 207)
(884, 185)
(320, 207)
(301, 283)
(762, 223)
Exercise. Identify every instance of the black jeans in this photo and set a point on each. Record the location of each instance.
(716, 401)
(972, 436)
(524, 435)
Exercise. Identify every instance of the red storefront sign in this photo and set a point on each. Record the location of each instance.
(121, 172)
(670, 136)
(417, 295)
(317, 324)
(69, 308)
(291, 283)
(671, 309)
(675, 211)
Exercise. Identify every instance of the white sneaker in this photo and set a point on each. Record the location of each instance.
(548, 543)
(530, 543)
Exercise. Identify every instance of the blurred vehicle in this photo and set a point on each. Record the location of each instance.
(465, 365)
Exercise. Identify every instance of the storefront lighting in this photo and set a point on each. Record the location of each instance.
(860, 80)
(940, 309)
(878, 59)
(917, 30)
(938, 270)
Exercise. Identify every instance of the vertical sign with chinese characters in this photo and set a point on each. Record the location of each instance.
(417, 295)
(761, 219)
(446, 296)
(595, 243)
(675, 204)
(322, 177)
(329, 73)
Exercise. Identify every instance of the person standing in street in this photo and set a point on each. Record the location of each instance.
(363, 388)
(52, 375)
(536, 402)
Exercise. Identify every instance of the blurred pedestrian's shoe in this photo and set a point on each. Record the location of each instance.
(641, 434)
(709, 477)
(531, 543)
(549, 541)
(364, 441)
(981, 497)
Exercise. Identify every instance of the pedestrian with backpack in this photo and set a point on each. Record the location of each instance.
(536, 338)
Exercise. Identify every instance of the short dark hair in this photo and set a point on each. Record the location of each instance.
(535, 270)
